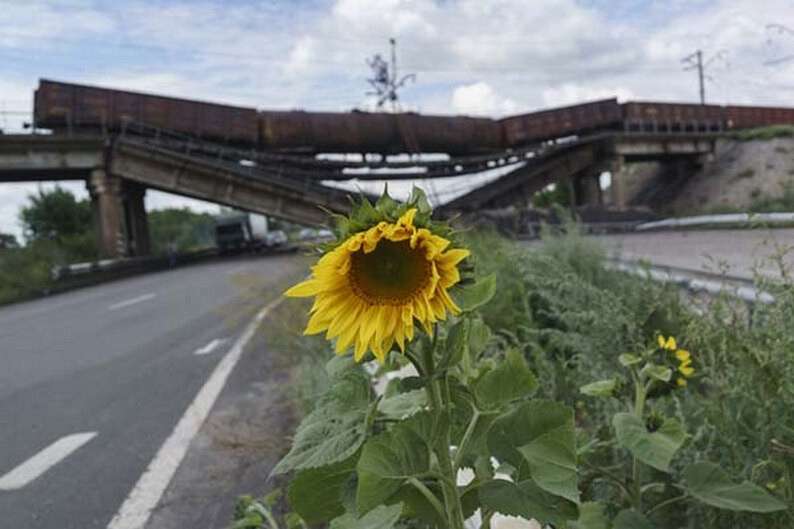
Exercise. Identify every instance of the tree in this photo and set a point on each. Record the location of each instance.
(55, 214)
(181, 229)
(8, 241)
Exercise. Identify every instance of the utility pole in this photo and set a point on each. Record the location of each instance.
(385, 82)
(696, 61)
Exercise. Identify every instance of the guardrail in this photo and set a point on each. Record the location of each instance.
(724, 220)
(696, 282)
(85, 274)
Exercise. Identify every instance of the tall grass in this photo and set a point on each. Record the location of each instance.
(573, 316)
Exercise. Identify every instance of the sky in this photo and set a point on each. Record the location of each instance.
(476, 57)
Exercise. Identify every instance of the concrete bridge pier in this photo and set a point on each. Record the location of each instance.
(138, 242)
(119, 215)
(105, 191)
(617, 186)
(587, 189)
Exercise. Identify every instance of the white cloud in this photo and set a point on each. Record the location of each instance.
(480, 99)
(470, 56)
(572, 93)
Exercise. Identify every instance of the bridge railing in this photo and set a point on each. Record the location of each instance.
(237, 160)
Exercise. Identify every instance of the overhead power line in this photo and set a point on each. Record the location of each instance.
(695, 62)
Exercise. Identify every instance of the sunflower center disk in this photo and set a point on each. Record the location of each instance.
(391, 274)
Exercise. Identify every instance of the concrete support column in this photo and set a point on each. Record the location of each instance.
(588, 190)
(617, 188)
(105, 190)
(138, 242)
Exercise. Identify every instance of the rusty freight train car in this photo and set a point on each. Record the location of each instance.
(742, 117)
(560, 122)
(646, 116)
(313, 132)
(62, 106)
(66, 106)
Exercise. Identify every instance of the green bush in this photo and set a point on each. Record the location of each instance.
(764, 133)
(579, 316)
(572, 317)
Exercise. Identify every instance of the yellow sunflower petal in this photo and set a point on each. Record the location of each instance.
(310, 287)
(407, 218)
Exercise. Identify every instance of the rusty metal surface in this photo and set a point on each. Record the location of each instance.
(746, 116)
(66, 106)
(69, 107)
(672, 117)
(313, 132)
(560, 122)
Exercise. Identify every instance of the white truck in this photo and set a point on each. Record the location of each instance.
(241, 231)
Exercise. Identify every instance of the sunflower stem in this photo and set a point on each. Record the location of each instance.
(441, 414)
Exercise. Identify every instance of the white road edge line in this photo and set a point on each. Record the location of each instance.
(210, 347)
(44, 460)
(145, 495)
(133, 301)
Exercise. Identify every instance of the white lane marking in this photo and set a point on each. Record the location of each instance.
(210, 347)
(44, 460)
(133, 301)
(145, 495)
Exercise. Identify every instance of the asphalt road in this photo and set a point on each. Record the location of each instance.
(119, 361)
(739, 253)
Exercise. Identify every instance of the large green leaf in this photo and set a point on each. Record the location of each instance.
(600, 388)
(335, 429)
(383, 517)
(652, 448)
(526, 500)
(479, 335)
(387, 462)
(660, 373)
(631, 519)
(316, 494)
(710, 484)
(627, 359)
(469, 297)
(456, 344)
(403, 405)
(592, 515)
(511, 379)
(537, 438)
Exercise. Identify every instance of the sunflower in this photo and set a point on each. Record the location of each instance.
(371, 287)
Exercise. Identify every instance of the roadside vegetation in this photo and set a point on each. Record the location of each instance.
(764, 133)
(682, 414)
(58, 230)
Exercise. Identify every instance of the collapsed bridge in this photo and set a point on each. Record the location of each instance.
(122, 143)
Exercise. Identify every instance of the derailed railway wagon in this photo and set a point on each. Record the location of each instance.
(312, 132)
(560, 122)
(66, 107)
(647, 116)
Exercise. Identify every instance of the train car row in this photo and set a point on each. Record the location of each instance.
(62, 106)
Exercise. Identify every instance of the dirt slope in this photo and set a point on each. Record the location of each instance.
(742, 172)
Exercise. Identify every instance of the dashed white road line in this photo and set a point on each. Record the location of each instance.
(44, 460)
(210, 347)
(133, 301)
(137, 508)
